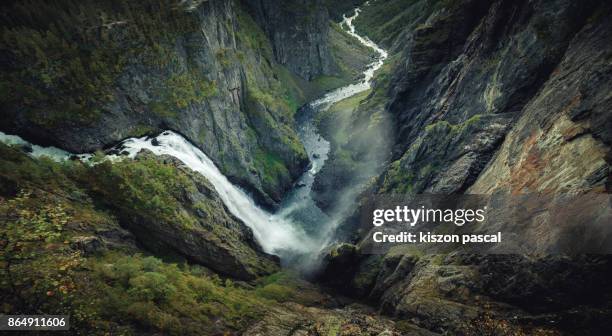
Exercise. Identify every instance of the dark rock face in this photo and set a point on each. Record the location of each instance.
(561, 142)
(299, 34)
(205, 83)
(338, 8)
(443, 293)
(474, 62)
(495, 97)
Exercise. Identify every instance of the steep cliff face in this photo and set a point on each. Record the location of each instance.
(82, 81)
(561, 142)
(462, 86)
(493, 97)
(298, 31)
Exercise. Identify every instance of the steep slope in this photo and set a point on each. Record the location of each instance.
(298, 32)
(561, 142)
(83, 75)
(65, 247)
(498, 97)
(167, 208)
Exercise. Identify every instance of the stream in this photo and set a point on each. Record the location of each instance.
(298, 228)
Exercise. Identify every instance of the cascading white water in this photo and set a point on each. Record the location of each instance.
(282, 233)
(353, 89)
(299, 206)
(37, 151)
(274, 235)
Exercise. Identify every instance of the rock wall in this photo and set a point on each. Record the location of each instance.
(204, 69)
(202, 231)
(466, 77)
(298, 31)
(494, 97)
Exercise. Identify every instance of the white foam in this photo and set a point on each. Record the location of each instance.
(365, 84)
(277, 233)
(52, 153)
(273, 233)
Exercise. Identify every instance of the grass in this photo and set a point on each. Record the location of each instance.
(454, 129)
(271, 166)
(45, 206)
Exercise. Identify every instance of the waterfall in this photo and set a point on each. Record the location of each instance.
(275, 236)
(286, 232)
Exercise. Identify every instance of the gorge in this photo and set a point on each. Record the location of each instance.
(232, 146)
(276, 232)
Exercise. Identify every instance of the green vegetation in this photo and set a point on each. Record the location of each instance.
(384, 21)
(271, 166)
(186, 90)
(141, 130)
(445, 126)
(144, 186)
(273, 96)
(46, 207)
(268, 81)
(419, 163)
(70, 54)
(397, 180)
(287, 286)
(229, 57)
(251, 35)
(177, 299)
(328, 83)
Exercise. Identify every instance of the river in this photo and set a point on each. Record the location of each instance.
(298, 227)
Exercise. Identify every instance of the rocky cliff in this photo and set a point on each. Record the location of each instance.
(464, 80)
(86, 78)
(491, 97)
(298, 31)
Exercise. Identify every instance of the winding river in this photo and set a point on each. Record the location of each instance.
(299, 227)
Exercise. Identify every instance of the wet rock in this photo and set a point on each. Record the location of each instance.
(27, 148)
(218, 124)
(112, 151)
